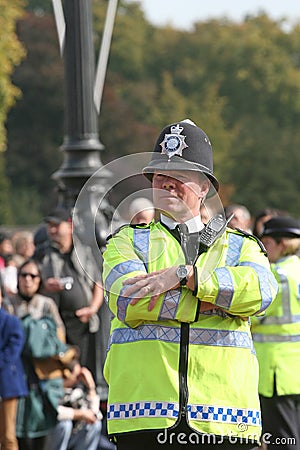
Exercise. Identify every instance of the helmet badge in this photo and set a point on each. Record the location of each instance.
(174, 143)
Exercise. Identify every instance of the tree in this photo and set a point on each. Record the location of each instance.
(35, 124)
(240, 82)
(11, 53)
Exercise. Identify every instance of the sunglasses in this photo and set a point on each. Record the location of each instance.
(27, 274)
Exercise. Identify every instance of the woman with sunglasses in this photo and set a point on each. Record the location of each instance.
(29, 304)
(28, 299)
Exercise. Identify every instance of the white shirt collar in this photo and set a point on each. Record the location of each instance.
(194, 224)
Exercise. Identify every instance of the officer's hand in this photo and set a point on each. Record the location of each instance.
(205, 306)
(153, 284)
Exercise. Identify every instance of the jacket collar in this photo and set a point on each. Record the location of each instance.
(194, 224)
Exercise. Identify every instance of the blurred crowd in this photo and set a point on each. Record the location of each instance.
(60, 398)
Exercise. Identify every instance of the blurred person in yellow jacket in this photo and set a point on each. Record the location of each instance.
(277, 338)
(181, 365)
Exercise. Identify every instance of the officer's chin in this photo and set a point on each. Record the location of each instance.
(176, 213)
(169, 204)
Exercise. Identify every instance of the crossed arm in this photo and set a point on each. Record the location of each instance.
(242, 290)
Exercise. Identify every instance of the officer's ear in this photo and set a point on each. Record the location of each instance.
(204, 183)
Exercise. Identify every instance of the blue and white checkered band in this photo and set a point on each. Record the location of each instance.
(173, 143)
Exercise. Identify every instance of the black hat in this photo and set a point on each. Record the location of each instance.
(182, 146)
(282, 226)
(4, 236)
(58, 215)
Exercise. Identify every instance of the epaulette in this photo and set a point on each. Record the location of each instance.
(117, 231)
(254, 238)
(127, 225)
(139, 225)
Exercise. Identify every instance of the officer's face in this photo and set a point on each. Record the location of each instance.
(273, 248)
(178, 194)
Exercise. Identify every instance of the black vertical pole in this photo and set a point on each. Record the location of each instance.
(81, 144)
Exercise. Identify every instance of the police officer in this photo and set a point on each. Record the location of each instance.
(277, 338)
(181, 367)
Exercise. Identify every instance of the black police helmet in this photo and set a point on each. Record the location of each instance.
(182, 146)
(282, 226)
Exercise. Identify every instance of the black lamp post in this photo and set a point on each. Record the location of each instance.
(81, 144)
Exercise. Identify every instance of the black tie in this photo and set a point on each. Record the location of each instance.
(188, 244)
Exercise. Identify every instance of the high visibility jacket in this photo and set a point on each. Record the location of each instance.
(277, 334)
(172, 361)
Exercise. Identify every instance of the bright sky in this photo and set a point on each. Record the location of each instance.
(182, 13)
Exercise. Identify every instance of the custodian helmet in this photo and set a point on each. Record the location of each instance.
(182, 146)
(282, 226)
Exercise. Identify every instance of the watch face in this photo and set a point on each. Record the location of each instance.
(182, 272)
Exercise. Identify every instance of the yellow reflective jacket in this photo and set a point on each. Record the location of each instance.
(277, 335)
(172, 361)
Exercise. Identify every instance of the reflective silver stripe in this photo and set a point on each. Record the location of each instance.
(235, 243)
(285, 298)
(221, 338)
(141, 247)
(168, 309)
(287, 316)
(141, 243)
(122, 305)
(201, 412)
(169, 305)
(265, 278)
(121, 269)
(257, 337)
(145, 333)
(226, 285)
(198, 336)
(226, 288)
(273, 320)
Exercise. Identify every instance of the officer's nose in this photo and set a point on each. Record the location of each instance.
(168, 183)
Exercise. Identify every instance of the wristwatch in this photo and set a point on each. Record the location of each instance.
(182, 273)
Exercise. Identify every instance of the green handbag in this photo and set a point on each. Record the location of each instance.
(41, 339)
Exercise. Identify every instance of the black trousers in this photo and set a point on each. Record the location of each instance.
(281, 421)
(177, 438)
(32, 444)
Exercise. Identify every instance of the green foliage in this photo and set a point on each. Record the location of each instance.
(11, 53)
(130, 35)
(26, 206)
(239, 81)
(35, 124)
(269, 157)
(6, 209)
